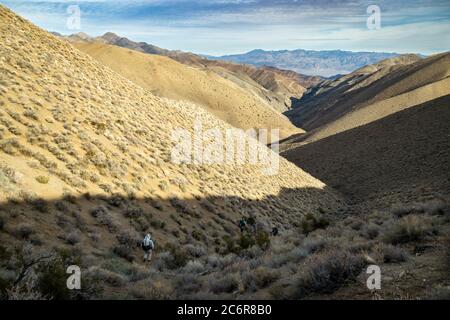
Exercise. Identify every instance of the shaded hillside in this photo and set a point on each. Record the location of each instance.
(309, 62)
(167, 78)
(370, 94)
(399, 158)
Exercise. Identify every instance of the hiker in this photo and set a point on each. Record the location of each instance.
(252, 222)
(242, 224)
(148, 245)
(274, 231)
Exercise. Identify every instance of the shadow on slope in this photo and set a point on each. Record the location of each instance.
(407, 151)
(103, 233)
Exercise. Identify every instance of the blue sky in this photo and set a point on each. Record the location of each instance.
(219, 27)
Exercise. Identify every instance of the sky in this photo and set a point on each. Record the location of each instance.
(219, 27)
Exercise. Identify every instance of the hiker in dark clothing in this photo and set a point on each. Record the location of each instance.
(242, 224)
(274, 231)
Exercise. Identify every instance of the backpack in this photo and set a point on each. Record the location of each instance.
(148, 242)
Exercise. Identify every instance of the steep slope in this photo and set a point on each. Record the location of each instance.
(81, 145)
(395, 159)
(170, 79)
(111, 38)
(273, 85)
(309, 62)
(371, 93)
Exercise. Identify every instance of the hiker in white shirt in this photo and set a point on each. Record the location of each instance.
(148, 245)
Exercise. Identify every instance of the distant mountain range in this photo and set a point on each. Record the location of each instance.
(309, 62)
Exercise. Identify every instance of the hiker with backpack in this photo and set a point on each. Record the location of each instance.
(242, 225)
(148, 245)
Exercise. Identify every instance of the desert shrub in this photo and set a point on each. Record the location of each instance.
(156, 224)
(24, 230)
(196, 251)
(356, 224)
(29, 113)
(79, 220)
(197, 235)
(6, 279)
(116, 200)
(245, 241)
(10, 146)
(435, 206)
(314, 244)
(154, 203)
(124, 252)
(5, 276)
(39, 205)
(175, 219)
(141, 224)
(52, 277)
(128, 238)
(313, 222)
(370, 231)
(94, 236)
(407, 229)
(401, 210)
(12, 175)
(440, 293)
(227, 283)
(163, 185)
(61, 206)
(259, 278)
(73, 237)
(69, 198)
(186, 283)
(181, 206)
(392, 254)
(42, 179)
(104, 218)
(326, 272)
(447, 250)
(103, 276)
(207, 205)
(360, 246)
(116, 265)
(133, 212)
(280, 259)
(160, 289)
(220, 262)
(194, 267)
(174, 258)
(253, 252)
(135, 274)
(52, 281)
(262, 239)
